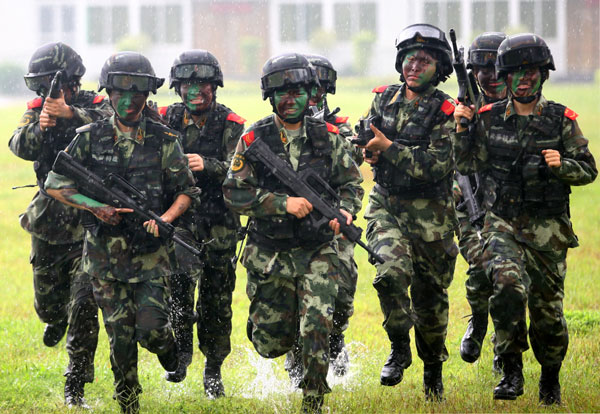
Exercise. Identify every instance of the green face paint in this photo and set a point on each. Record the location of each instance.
(128, 105)
(124, 104)
(291, 103)
(519, 76)
(418, 68)
(193, 93)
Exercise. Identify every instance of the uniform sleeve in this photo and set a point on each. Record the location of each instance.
(231, 136)
(79, 149)
(470, 150)
(578, 166)
(177, 175)
(346, 176)
(429, 165)
(26, 141)
(242, 193)
(94, 112)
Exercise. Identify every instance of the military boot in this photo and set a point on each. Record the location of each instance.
(511, 384)
(470, 346)
(213, 384)
(338, 355)
(311, 404)
(549, 385)
(497, 365)
(293, 365)
(169, 360)
(185, 343)
(399, 359)
(74, 392)
(53, 333)
(432, 382)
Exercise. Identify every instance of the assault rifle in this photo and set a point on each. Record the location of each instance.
(305, 184)
(114, 190)
(474, 211)
(468, 92)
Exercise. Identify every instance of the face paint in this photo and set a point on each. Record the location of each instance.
(197, 96)
(492, 88)
(525, 82)
(290, 103)
(317, 97)
(128, 105)
(418, 68)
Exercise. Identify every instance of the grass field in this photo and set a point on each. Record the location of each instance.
(31, 375)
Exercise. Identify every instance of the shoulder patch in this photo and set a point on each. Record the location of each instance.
(83, 129)
(232, 116)
(332, 128)
(35, 103)
(237, 163)
(572, 115)
(98, 99)
(248, 138)
(485, 108)
(379, 89)
(341, 119)
(170, 135)
(162, 110)
(447, 107)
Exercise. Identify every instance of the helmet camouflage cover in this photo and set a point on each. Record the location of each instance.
(523, 51)
(288, 69)
(196, 64)
(47, 60)
(484, 49)
(129, 71)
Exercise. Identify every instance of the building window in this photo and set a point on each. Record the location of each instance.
(348, 17)
(444, 14)
(47, 19)
(107, 25)
(539, 16)
(68, 19)
(299, 21)
(489, 16)
(162, 24)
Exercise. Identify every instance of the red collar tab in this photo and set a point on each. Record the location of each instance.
(332, 128)
(379, 89)
(232, 116)
(485, 108)
(571, 114)
(98, 99)
(162, 110)
(248, 138)
(36, 103)
(447, 107)
(341, 119)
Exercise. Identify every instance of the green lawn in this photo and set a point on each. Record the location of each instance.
(31, 375)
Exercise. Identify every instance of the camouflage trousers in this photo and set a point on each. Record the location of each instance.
(215, 276)
(293, 293)
(62, 291)
(527, 278)
(132, 313)
(344, 302)
(426, 268)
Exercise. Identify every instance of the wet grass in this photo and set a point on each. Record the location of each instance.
(31, 375)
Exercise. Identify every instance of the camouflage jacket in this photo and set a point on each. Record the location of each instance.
(431, 218)
(243, 194)
(107, 254)
(214, 137)
(346, 131)
(45, 217)
(577, 168)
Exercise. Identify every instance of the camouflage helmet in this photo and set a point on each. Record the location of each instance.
(286, 70)
(325, 72)
(196, 64)
(428, 37)
(523, 51)
(129, 71)
(484, 49)
(47, 60)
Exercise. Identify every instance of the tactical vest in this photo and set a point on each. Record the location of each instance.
(277, 233)
(142, 170)
(416, 133)
(209, 144)
(522, 180)
(59, 138)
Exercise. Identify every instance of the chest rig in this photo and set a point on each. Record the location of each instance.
(278, 233)
(415, 133)
(142, 170)
(523, 182)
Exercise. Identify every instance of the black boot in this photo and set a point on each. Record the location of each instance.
(184, 339)
(311, 404)
(399, 359)
(53, 333)
(293, 365)
(213, 384)
(470, 346)
(511, 384)
(549, 385)
(432, 382)
(169, 360)
(338, 356)
(497, 365)
(74, 392)
(185, 359)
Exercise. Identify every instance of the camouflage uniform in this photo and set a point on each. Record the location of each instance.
(527, 229)
(128, 266)
(411, 219)
(61, 290)
(292, 281)
(214, 137)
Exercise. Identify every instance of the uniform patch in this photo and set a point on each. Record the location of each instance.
(163, 111)
(26, 120)
(332, 128)
(232, 116)
(283, 137)
(248, 138)
(571, 114)
(98, 99)
(237, 163)
(447, 108)
(341, 119)
(379, 89)
(35, 103)
(485, 108)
